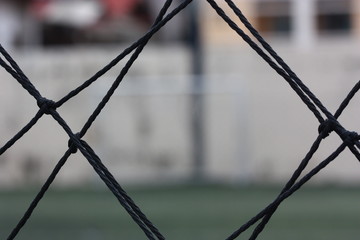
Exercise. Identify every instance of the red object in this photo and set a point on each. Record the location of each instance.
(119, 8)
(38, 7)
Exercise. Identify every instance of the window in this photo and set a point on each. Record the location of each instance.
(333, 16)
(274, 17)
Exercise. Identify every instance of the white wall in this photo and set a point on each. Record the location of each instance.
(257, 129)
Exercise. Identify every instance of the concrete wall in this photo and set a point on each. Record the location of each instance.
(256, 128)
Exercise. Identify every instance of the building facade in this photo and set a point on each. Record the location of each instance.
(255, 127)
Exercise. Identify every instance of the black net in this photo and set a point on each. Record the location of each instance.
(328, 121)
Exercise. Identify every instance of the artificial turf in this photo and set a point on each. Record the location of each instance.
(183, 212)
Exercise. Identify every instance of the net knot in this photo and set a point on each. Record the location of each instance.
(326, 127)
(46, 105)
(72, 145)
(350, 138)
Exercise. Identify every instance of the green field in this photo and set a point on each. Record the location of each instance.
(184, 212)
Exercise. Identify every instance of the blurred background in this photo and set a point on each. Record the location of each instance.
(198, 107)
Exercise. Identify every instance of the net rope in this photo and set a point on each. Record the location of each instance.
(328, 122)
